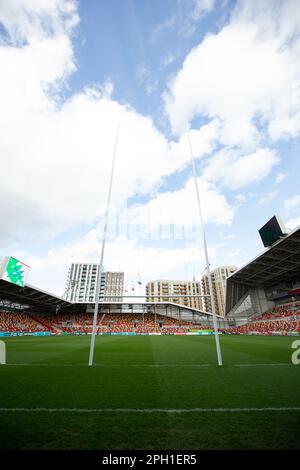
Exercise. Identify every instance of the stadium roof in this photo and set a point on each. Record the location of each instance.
(279, 262)
(148, 304)
(42, 300)
(30, 295)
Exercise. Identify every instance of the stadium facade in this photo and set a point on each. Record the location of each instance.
(270, 279)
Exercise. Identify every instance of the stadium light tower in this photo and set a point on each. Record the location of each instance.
(92, 345)
(212, 300)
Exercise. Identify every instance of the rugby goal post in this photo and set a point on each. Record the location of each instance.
(2, 353)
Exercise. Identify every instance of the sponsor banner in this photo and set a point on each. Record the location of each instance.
(203, 332)
(207, 331)
(14, 271)
(25, 333)
(127, 333)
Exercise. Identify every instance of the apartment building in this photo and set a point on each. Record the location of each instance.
(82, 279)
(218, 277)
(175, 291)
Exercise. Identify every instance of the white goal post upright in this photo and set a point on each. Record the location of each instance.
(94, 331)
(212, 300)
(2, 353)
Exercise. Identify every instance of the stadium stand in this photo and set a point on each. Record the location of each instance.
(280, 311)
(281, 319)
(270, 279)
(19, 322)
(107, 323)
(267, 327)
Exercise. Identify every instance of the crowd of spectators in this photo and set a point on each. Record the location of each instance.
(58, 323)
(115, 323)
(281, 319)
(19, 322)
(267, 327)
(280, 311)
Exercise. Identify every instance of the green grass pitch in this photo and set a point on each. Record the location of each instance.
(184, 400)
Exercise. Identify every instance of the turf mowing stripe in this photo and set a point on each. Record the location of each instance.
(149, 410)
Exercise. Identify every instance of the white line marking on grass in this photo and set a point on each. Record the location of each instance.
(279, 364)
(46, 365)
(151, 410)
(264, 365)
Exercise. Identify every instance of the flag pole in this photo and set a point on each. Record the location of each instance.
(100, 270)
(212, 300)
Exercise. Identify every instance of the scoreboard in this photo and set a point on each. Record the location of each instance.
(272, 231)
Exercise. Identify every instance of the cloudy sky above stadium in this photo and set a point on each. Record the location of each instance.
(227, 72)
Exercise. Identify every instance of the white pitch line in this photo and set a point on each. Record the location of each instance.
(263, 364)
(150, 410)
(152, 365)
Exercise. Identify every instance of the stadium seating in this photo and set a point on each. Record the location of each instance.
(283, 327)
(107, 323)
(280, 311)
(281, 319)
(19, 322)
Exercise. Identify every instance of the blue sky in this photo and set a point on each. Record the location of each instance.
(227, 71)
(142, 49)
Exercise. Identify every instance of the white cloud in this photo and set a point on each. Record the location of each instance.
(266, 198)
(168, 60)
(64, 156)
(246, 75)
(151, 86)
(203, 141)
(56, 157)
(27, 20)
(180, 208)
(293, 223)
(280, 177)
(240, 198)
(146, 79)
(235, 170)
(185, 17)
(292, 202)
(202, 7)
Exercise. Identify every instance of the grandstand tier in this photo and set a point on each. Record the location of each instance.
(271, 280)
